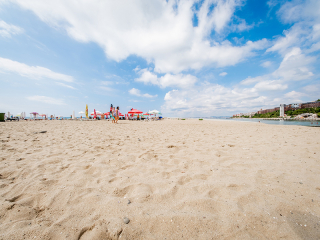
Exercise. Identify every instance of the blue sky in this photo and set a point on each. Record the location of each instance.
(184, 58)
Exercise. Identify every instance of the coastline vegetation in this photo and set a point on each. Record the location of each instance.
(274, 114)
(296, 112)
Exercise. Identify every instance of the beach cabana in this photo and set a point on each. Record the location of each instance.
(135, 111)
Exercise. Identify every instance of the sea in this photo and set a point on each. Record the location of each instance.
(274, 122)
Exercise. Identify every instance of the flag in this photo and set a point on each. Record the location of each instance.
(87, 111)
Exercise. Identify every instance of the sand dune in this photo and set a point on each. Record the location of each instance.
(172, 179)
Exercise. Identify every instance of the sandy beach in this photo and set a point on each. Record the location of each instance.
(172, 179)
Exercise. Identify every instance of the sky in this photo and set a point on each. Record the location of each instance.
(187, 58)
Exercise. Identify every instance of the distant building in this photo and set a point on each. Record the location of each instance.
(295, 105)
(282, 110)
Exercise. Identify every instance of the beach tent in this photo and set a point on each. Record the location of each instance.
(135, 111)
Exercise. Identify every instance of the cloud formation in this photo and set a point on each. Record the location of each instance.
(32, 72)
(168, 80)
(294, 67)
(162, 32)
(136, 92)
(7, 30)
(45, 99)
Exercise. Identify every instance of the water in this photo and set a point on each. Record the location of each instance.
(277, 122)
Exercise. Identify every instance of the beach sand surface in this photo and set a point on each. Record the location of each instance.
(172, 179)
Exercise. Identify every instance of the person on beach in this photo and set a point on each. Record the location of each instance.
(111, 113)
(114, 114)
(117, 114)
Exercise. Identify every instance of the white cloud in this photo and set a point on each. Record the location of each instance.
(136, 92)
(294, 67)
(266, 64)
(7, 30)
(107, 83)
(312, 88)
(294, 94)
(108, 89)
(211, 100)
(223, 74)
(297, 10)
(159, 31)
(272, 85)
(168, 80)
(292, 38)
(115, 80)
(305, 31)
(32, 72)
(65, 85)
(294, 97)
(45, 99)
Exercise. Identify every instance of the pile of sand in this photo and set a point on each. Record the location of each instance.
(172, 179)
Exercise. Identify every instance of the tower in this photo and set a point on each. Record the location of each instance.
(281, 110)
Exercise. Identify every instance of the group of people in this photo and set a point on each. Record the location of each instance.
(114, 114)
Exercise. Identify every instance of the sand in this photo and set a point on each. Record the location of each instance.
(185, 180)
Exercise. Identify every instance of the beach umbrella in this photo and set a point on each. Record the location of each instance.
(34, 114)
(154, 112)
(92, 114)
(42, 115)
(81, 113)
